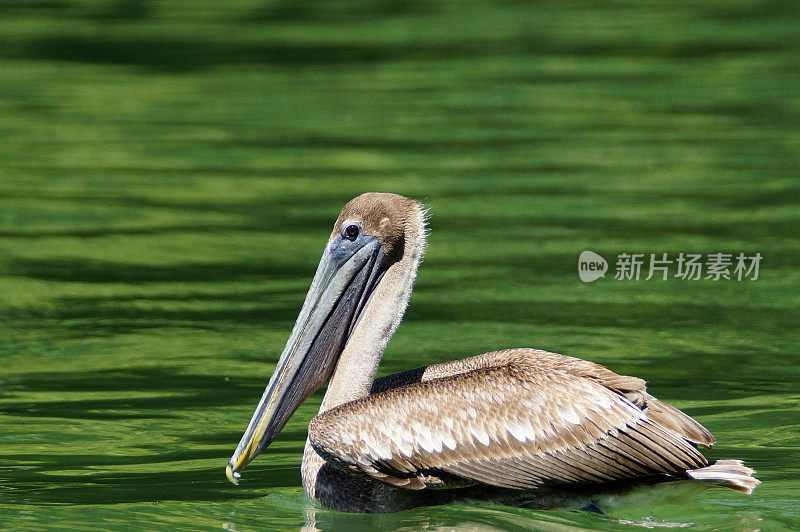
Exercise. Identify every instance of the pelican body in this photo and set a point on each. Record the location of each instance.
(518, 419)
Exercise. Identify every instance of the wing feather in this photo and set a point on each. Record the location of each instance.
(519, 424)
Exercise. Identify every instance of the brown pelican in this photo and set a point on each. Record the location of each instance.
(518, 419)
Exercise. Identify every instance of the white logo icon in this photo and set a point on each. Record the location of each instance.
(591, 266)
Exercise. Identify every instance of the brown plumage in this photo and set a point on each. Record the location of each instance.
(517, 419)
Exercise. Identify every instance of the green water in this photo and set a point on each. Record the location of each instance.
(170, 170)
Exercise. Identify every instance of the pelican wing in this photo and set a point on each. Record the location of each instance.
(633, 388)
(514, 419)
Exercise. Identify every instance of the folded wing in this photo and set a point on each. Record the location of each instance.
(513, 419)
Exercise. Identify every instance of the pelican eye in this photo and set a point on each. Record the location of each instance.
(351, 232)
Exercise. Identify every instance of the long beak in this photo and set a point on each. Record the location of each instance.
(345, 278)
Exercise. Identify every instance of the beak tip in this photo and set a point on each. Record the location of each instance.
(233, 476)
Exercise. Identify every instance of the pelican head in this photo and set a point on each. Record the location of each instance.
(368, 238)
